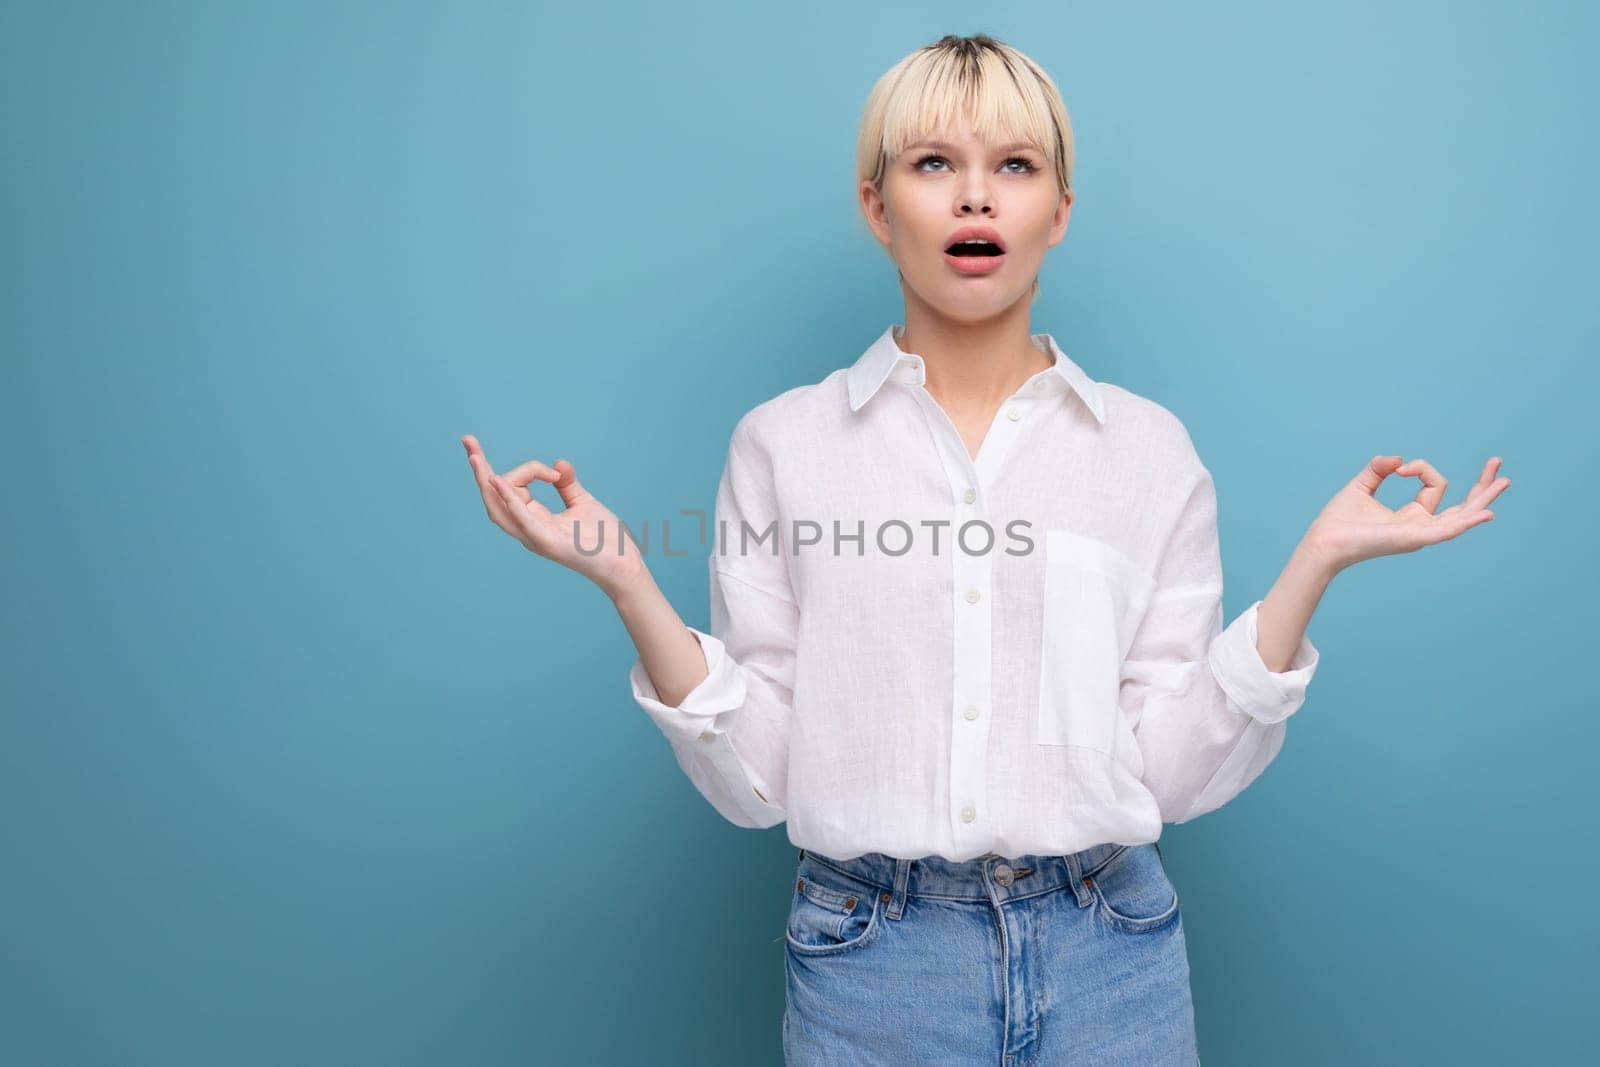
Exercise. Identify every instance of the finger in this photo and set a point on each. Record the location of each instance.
(525, 506)
(506, 502)
(508, 508)
(1468, 520)
(518, 477)
(1377, 469)
(493, 503)
(1433, 483)
(523, 473)
(1488, 486)
(571, 490)
(1482, 493)
(1454, 526)
(521, 514)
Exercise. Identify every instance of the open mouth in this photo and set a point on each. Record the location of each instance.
(974, 248)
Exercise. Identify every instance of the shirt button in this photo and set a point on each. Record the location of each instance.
(1039, 384)
(1013, 414)
(968, 814)
(708, 736)
(971, 495)
(972, 596)
(972, 711)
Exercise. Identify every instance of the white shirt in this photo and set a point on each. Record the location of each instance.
(1069, 685)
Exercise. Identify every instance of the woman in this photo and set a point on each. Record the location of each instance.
(966, 625)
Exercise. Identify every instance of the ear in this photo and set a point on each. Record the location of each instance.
(1058, 225)
(875, 210)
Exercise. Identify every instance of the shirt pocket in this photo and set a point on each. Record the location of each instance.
(1094, 599)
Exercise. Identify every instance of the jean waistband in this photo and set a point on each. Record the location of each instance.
(989, 877)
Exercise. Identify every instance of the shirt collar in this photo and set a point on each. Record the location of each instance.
(885, 359)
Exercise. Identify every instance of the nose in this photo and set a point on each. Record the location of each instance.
(976, 196)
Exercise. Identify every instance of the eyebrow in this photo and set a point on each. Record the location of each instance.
(1012, 147)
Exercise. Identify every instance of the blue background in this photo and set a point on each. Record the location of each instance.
(304, 761)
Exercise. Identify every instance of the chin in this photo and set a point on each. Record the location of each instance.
(971, 299)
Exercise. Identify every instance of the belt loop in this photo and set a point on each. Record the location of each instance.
(902, 874)
(1075, 879)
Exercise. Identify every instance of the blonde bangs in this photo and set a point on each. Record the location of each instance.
(1003, 93)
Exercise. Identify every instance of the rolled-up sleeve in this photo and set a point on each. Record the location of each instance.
(1207, 713)
(730, 734)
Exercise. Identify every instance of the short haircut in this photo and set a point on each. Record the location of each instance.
(1007, 95)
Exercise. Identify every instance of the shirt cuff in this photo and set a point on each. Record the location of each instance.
(1266, 696)
(722, 689)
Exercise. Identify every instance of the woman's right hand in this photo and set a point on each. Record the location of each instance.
(555, 535)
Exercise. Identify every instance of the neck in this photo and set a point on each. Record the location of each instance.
(972, 365)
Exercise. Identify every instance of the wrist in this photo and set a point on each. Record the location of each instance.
(630, 587)
(1315, 557)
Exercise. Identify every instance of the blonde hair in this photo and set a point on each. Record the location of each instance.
(1006, 94)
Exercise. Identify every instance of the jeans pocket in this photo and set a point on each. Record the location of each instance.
(830, 912)
(1094, 599)
(1132, 890)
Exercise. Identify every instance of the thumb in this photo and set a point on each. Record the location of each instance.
(571, 490)
(1377, 469)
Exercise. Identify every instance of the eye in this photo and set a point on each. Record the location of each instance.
(1028, 167)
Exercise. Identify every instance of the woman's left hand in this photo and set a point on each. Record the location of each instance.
(1355, 526)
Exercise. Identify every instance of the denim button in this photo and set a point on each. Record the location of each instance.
(1004, 874)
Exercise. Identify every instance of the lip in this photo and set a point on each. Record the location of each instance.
(976, 264)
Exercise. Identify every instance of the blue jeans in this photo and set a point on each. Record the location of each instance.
(999, 961)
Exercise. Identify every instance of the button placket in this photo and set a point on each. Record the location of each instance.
(972, 576)
(971, 635)
(971, 662)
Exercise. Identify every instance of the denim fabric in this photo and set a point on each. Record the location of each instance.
(999, 961)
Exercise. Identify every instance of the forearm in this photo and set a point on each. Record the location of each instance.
(1286, 610)
(668, 649)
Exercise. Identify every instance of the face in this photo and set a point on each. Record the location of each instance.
(951, 181)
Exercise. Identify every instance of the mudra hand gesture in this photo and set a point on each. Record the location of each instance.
(556, 535)
(1354, 526)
